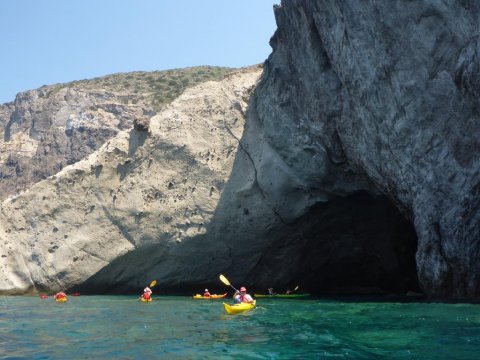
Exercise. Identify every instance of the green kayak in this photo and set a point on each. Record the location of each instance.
(281, 296)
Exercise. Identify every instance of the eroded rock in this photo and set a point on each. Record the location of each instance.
(137, 208)
(385, 91)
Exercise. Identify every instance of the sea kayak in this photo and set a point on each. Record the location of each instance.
(281, 296)
(214, 296)
(145, 300)
(61, 300)
(238, 308)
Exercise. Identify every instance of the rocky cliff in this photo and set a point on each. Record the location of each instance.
(137, 208)
(354, 169)
(381, 97)
(195, 195)
(46, 129)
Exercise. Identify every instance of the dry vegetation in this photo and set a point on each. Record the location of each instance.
(157, 87)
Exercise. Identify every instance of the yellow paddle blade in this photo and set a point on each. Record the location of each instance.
(224, 280)
(153, 283)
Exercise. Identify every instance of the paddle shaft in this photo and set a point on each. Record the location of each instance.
(227, 282)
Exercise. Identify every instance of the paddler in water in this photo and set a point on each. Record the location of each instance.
(206, 293)
(147, 293)
(242, 296)
(60, 295)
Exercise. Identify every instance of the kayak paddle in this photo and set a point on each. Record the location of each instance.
(226, 282)
(296, 288)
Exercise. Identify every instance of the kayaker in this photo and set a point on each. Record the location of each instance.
(242, 296)
(271, 292)
(288, 292)
(206, 293)
(147, 293)
(60, 295)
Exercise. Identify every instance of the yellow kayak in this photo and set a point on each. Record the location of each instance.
(61, 300)
(145, 300)
(213, 296)
(238, 308)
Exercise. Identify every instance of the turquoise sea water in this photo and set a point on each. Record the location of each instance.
(119, 327)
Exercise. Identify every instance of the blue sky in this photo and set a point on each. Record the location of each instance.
(54, 41)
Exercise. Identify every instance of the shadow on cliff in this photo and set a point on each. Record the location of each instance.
(178, 265)
(354, 245)
(357, 245)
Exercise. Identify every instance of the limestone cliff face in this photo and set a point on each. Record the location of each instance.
(354, 168)
(137, 208)
(47, 129)
(195, 196)
(380, 96)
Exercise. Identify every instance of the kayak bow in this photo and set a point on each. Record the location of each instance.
(238, 308)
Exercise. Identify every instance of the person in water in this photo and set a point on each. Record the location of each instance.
(60, 295)
(206, 293)
(147, 293)
(242, 296)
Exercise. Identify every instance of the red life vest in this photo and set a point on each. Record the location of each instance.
(60, 295)
(146, 296)
(243, 298)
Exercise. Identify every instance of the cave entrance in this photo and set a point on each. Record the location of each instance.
(359, 244)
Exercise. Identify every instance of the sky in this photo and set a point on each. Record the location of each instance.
(46, 42)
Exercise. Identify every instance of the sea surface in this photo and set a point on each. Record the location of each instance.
(119, 327)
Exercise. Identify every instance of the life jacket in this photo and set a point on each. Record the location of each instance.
(243, 298)
(146, 296)
(207, 294)
(60, 295)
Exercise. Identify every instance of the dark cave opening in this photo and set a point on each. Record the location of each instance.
(355, 245)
